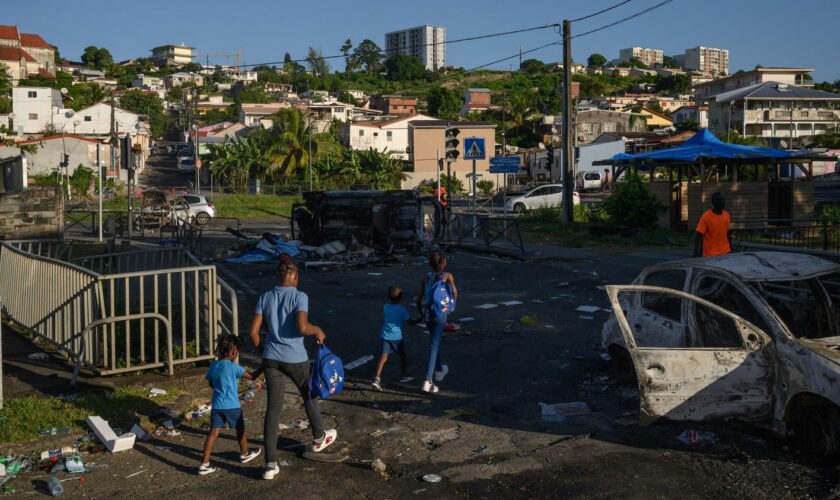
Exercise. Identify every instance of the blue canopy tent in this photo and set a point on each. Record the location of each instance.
(706, 159)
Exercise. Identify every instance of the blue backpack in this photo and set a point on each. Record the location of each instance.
(441, 301)
(327, 378)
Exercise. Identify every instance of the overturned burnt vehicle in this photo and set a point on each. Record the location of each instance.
(383, 220)
(754, 336)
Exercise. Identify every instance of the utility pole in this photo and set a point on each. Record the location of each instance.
(309, 156)
(568, 137)
(99, 177)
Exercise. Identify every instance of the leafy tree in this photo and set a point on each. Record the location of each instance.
(532, 66)
(404, 68)
(654, 105)
(633, 63)
(519, 105)
(254, 94)
(5, 80)
(289, 65)
(143, 65)
(148, 104)
(828, 87)
(318, 66)
(596, 59)
(444, 103)
(631, 204)
(57, 58)
(175, 94)
(97, 57)
(669, 62)
(691, 125)
(368, 54)
(737, 138)
(191, 67)
(674, 84)
(485, 186)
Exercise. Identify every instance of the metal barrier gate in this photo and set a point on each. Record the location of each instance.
(117, 313)
(486, 233)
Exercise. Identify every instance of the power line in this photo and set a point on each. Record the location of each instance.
(445, 42)
(476, 68)
(632, 16)
(601, 11)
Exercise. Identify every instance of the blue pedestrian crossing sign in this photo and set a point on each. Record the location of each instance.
(474, 148)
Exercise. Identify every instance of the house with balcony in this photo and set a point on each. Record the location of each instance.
(778, 113)
(251, 115)
(181, 78)
(696, 113)
(791, 76)
(172, 55)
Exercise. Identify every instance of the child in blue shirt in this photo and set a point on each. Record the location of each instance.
(224, 376)
(392, 339)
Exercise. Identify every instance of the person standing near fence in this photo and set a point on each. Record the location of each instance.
(284, 358)
(441, 199)
(436, 371)
(712, 236)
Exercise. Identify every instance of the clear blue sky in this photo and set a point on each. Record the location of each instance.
(768, 32)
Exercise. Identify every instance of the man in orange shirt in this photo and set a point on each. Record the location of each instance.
(712, 234)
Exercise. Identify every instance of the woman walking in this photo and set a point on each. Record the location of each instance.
(436, 371)
(284, 357)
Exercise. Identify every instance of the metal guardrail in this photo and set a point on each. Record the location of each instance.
(106, 311)
(823, 235)
(482, 232)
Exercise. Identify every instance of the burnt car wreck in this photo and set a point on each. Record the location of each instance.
(754, 336)
(386, 221)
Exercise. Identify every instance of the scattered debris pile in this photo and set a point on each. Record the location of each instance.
(381, 220)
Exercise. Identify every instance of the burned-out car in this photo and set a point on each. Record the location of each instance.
(754, 336)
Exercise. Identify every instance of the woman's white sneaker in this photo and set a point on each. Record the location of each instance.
(429, 387)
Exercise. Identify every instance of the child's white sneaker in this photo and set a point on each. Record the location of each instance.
(377, 385)
(205, 469)
(270, 471)
(429, 387)
(249, 455)
(328, 439)
(439, 376)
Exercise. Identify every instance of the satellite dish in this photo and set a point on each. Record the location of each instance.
(541, 145)
(63, 91)
(69, 113)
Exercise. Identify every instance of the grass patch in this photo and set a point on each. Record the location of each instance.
(22, 418)
(545, 226)
(254, 206)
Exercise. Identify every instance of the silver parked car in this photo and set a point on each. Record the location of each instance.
(749, 335)
(201, 205)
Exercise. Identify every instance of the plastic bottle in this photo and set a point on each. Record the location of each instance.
(56, 489)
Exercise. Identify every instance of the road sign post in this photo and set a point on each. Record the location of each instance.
(474, 150)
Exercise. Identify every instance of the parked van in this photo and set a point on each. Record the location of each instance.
(588, 181)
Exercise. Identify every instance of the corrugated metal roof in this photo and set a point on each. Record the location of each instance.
(775, 91)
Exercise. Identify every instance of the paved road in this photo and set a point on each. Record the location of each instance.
(483, 433)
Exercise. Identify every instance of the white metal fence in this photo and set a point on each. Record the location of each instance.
(118, 312)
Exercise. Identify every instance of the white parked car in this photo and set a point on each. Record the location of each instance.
(588, 181)
(186, 165)
(202, 206)
(547, 196)
(754, 336)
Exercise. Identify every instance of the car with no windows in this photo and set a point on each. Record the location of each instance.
(752, 335)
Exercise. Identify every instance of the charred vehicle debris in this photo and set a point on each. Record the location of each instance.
(754, 336)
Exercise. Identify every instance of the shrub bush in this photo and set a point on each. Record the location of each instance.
(485, 186)
(631, 204)
(428, 185)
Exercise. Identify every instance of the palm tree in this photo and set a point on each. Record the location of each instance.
(95, 93)
(520, 106)
(286, 145)
(237, 161)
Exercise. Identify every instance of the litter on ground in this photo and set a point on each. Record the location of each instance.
(466, 319)
(487, 306)
(37, 356)
(511, 303)
(528, 319)
(587, 309)
(692, 437)
(559, 411)
(157, 392)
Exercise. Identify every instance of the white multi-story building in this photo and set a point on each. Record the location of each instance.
(35, 108)
(707, 60)
(423, 42)
(172, 55)
(649, 57)
(390, 135)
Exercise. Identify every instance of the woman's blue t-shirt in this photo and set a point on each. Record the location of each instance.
(279, 306)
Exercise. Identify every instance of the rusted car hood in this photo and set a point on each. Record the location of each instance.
(828, 347)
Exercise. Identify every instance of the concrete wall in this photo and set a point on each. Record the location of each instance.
(37, 212)
(746, 202)
(426, 141)
(49, 154)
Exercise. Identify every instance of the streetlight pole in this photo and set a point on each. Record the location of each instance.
(309, 170)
